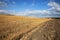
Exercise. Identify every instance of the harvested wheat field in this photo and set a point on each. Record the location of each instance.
(28, 28)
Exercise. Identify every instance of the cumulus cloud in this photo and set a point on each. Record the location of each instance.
(37, 12)
(54, 6)
(34, 13)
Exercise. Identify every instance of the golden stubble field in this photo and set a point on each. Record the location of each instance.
(12, 26)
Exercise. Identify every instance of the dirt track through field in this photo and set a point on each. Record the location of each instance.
(49, 30)
(16, 28)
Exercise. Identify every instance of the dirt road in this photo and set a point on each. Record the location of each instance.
(49, 30)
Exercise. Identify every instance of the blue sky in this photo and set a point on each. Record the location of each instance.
(20, 5)
(36, 8)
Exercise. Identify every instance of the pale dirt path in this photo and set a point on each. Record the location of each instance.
(49, 30)
(30, 29)
(29, 32)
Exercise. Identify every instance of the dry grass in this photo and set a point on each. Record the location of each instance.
(12, 26)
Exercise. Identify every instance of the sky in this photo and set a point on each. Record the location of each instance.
(33, 8)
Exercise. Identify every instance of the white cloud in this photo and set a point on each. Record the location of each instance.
(12, 12)
(2, 10)
(51, 8)
(34, 12)
(3, 4)
(54, 6)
